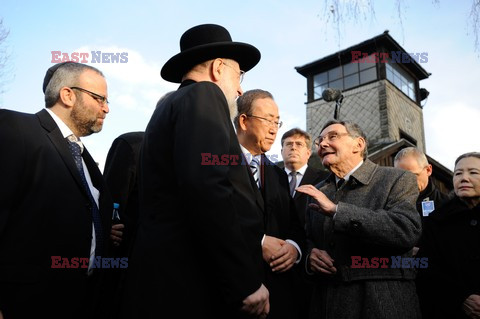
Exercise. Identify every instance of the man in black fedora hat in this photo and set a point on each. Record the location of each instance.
(198, 248)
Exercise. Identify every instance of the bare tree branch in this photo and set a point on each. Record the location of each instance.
(474, 20)
(3, 54)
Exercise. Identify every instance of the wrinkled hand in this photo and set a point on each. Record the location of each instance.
(257, 303)
(320, 261)
(116, 234)
(284, 258)
(323, 204)
(471, 306)
(271, 245)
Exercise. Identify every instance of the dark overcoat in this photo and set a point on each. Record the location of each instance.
(197, 253)
(451, 242)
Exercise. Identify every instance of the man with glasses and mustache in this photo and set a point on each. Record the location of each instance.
(361, 211)
(257, 124)
(54, 202)
(197, 252)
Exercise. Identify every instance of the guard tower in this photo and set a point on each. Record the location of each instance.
(380, 90)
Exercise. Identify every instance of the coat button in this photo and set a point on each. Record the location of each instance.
(473, 222)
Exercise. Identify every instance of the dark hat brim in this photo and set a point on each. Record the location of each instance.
(176, 67)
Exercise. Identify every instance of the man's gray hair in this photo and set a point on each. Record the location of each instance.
(413, 152)
(354, 130)
(66, 75)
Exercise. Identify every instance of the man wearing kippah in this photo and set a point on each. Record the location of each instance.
(54, 212)
(198, 251)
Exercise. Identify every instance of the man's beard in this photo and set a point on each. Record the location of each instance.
(232, 107)
(82, 120)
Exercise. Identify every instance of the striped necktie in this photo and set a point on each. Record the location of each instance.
(293, 182)
(76, 148)
(254, 166)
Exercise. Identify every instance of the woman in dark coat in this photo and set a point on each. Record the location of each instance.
(450, 286)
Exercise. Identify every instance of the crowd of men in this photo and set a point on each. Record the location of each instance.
(244, 240)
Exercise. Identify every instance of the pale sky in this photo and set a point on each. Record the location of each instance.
(288, 34)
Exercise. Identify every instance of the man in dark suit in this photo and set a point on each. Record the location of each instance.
(197, 253)
(54, 216)
(121, 177)
(257, 124)
(361, 228)
(429, 197)
(296, 150)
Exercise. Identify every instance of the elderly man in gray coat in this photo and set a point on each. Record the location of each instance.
(361, 227)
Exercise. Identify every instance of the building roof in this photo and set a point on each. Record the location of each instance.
(381, 43)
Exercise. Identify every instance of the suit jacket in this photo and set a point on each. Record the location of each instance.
(281, 221)
(44, 212)
(121, 177)
(303, 287)
(311, 177)
(197, 253)
(376, 217)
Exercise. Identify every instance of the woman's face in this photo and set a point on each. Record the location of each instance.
(466, 180)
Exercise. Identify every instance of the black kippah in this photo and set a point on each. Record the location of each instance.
(49, 74)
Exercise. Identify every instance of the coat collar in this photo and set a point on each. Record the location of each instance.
(365, 172)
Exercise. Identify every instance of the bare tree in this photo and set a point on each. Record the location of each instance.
(474, 22)
(3, 53)
(337, 12)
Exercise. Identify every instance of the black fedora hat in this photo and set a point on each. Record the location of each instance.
(205, 42)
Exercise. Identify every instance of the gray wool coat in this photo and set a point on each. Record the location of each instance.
(376, 218)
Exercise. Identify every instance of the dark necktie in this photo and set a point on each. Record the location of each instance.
(76, 151)
(293, 182)
(254, 166)
(340, 182)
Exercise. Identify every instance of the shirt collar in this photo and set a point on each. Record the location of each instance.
(248, 155)
(301, 171)
(66, 131)
(347, 177)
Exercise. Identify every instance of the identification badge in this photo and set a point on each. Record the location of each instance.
(428, 206)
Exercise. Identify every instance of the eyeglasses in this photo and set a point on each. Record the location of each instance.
(241, 73)
(100, 98)
(274, 124)
(329, 137)
(297, 144)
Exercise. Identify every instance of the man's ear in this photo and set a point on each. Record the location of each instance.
(429, 169)
(67, 96)
(360, 144)
(242, 119)
(217, 68)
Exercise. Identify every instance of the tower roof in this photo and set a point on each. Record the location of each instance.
(380, 43)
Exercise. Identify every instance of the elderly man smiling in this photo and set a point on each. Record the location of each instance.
(364, 210)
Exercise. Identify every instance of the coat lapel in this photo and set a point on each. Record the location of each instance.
(57, 139)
